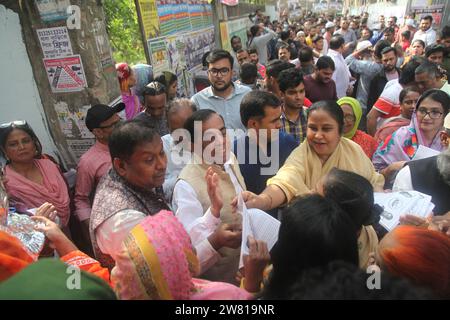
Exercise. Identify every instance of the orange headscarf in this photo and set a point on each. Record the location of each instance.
(13, 256)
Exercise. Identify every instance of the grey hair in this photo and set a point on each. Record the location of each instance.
(443, 165)
(179, 104)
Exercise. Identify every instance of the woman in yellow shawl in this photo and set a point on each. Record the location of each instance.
(352, 117)
(323, 150)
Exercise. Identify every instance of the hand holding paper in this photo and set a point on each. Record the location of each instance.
(259, 225)
(397, 204)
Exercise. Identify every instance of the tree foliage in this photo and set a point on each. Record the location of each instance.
(123, 29)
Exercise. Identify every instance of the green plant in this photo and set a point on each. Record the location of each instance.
(123, 29)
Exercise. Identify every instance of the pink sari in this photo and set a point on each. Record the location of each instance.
(27, 194)
(157, 262)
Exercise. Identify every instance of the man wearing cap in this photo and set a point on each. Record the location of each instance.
(330, 27)
(365, 69)
(93, 165)
(435, 53)
(430, 175)
(426, 32)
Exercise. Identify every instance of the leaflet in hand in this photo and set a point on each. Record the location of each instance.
(259, 225)
(396, 204)
(424, 152)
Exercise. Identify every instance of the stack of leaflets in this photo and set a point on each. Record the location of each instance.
(396, 204)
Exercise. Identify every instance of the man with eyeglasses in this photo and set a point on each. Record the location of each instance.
(428, 76)
(155, 100)
(223, 96)
(93, 165)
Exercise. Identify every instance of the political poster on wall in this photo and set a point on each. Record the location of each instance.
(149, 18)
(55, 42)
(65, 74)
(159, 55)
(237, 27)
(72, 124)
(52, 10)
(181, 54)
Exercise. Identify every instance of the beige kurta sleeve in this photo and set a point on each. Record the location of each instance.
(291, 176)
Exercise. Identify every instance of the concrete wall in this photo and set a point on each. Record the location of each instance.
(387, 9)
(19, 95)
(22, 56)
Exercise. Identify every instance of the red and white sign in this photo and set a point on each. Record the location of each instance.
(65, 74)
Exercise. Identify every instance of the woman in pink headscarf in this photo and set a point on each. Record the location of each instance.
(127, 80)
(158, 262)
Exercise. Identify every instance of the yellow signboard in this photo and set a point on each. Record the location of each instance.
(224, 36)
(150, 18)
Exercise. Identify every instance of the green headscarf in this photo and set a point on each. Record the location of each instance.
(50, 279)
(356, 107)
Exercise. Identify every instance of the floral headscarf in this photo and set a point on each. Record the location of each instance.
(157, 262)
(402, 145)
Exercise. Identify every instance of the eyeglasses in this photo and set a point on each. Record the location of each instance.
(13, 124)
(433, 113)
(111, 125)
(349, 118)
(215, 72)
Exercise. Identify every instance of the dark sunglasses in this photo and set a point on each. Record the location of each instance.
(17, 123)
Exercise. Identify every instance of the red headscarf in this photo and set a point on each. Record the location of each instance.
(123, 73)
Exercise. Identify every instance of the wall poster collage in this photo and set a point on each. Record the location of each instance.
(178, 33)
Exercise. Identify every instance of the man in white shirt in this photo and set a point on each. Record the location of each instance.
(218, 243)
(426, 32)
(341, 75)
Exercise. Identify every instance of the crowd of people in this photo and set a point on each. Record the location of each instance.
(302, 122)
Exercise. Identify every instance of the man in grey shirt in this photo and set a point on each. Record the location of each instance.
(348, 34)
(259, 41)
(223, 96)
(365, 68)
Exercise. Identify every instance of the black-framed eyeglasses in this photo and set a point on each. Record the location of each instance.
(215, 72)
(13, 124)
(111, 125)
(433, 113)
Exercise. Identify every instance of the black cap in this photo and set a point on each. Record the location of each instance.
(429, 50)
(101, 112)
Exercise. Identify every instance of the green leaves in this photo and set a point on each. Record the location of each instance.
(123, 29)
